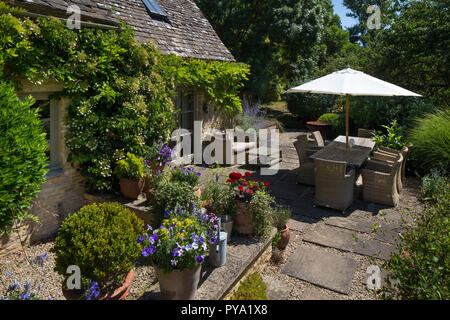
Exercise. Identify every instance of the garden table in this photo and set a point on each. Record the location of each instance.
(354, 155)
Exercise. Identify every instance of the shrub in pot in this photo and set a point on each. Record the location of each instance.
(101, 240)
(169, 195)
(130, 171)
(187, 175)
(177, 250)
(157, 158)
(281, 216)
(245, 189)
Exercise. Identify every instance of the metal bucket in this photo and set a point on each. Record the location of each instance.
(218, 252)
(227, 224)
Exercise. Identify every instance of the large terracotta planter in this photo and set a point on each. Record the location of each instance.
(178, 285)
(131, 188)
(242, 220)
(120, 293)
(284, 240)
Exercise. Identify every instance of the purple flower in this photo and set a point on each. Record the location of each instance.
(199, 174)
(166, 213)
(94, 290)
(217, 177)
(155, 237)
(212, 240)
(173, 262)
(146, 252)
(140, 239)
(152, 249)
(199, 259)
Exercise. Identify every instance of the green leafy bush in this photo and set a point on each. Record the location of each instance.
(223, 197)
(252, 288)
(309, 107)
(281, 216)
(185, 174)
(430, 137)
(337, 123)
(131, 167)
(421, 267)
(393, 138)
(261, 210)
(23, 160)
(101, 240)
(435, 185)
(169, 195)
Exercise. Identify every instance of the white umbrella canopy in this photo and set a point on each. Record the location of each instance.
(351, 82)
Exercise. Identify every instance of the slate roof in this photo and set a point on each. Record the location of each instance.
(188, 33)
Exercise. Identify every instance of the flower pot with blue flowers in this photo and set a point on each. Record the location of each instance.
(101, 240)
(187, 175)
(177, 250)
(130, 171)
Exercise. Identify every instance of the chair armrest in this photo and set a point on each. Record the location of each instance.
(388, 150)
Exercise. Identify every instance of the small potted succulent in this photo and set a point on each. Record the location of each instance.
(130, 171)
(101, 240)
(281, 216)
(177, 250)
(245, 189)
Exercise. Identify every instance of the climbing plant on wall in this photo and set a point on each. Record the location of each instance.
(122, 91)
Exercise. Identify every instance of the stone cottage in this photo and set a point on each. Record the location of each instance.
(175, 26)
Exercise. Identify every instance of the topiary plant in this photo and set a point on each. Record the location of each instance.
(23, 160)
(101, 240)
(131, 167)
(337, 123)
(252, 288)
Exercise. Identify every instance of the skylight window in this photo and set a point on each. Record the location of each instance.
(154, 9)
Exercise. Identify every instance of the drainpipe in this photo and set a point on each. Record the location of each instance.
(82, 23)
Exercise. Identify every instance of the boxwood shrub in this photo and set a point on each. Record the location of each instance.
(101, 240)
(337, 123)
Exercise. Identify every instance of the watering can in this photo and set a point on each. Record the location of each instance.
(218, 252)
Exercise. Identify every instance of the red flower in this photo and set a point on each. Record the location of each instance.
(248, 174)
(235, 176)
(245, 183)
(266, 184)
(229, 180)
(253, 180)
(241, 188)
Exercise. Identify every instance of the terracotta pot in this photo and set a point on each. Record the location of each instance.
(120, 293)
(242, 220)
(178, 285)
(131, 188)
(198, 192)
(284, 240)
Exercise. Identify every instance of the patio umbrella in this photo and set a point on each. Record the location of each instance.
(351, 82)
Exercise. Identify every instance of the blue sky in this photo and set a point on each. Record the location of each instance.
(341, 11)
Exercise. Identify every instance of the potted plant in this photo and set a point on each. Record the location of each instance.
(245, 189)
(130, 171)
(221, 199)
(101, 240)
(186, 175)
(177, 250)
(157, 158)
(281, 216)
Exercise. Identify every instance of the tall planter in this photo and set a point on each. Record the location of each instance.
(284, 240)
(243, 220)
(178, 285)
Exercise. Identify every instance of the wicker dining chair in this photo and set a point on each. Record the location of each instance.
(380, 181)
(391, 156)
(306, 169)
(365, 133)
(318, 137)
(334, 185)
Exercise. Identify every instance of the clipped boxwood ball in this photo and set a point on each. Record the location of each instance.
(101, 240)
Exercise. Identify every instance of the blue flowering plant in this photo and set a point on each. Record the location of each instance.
(159, 154)
(17, 291)
(185, 174)
(182, 241)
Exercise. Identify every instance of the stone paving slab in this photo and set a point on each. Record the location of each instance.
(331, 237)
(374, 248)
(322, 268)
(299, 223)
(354, 224)
(304, 206)
(287, 190)
(277, 289)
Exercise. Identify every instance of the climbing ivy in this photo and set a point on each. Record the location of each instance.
(121, 91)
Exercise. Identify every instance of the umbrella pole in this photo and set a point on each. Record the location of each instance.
(346, 119)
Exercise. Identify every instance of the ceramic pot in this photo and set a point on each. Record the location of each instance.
(131, 188)
(178, 285)
(120, 293)
(284, 240)
(242, 220)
